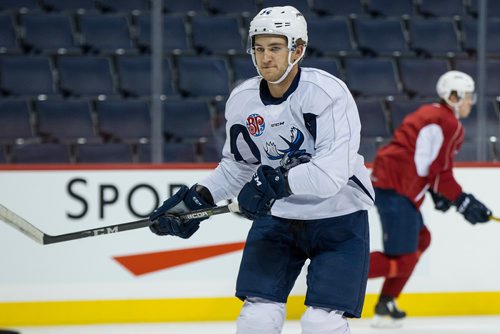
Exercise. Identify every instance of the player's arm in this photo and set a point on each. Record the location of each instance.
(337, 134)
(435, 148)
(221, 184)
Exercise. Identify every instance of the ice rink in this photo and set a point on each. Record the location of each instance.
(415, 325)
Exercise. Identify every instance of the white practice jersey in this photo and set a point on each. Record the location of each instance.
(317, 115)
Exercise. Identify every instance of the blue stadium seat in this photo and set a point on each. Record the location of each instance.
(66, 121)
(338, 7)
(243, 69)
(188, 120)
(49, 153)
(469, 66)
(330, 36)
(20, 6)
(85, 76)
(179, 152)
(49, 33)
(26, 76)
(330, 65)
(124, 120)
(374, 123)
(72, 6)
(435, 37)
(217, 34)
(134, 74)
(470, 30)
(468, 152)
(390, 8)
(8, 40)
(106, 33)
(211, 152)
(400, 108)
(175, 39)
(492, 122)
(368, 148)
(441, 8)
(203, 76)
(492, 10)
(419, 76)
(15, 122)
(301, 5)
(220, 121)
(371, 77)
(134, 7)
(381, 37)
(104, 153)
(189, 7)
(3, 155)
(172, 152)
(246, 8)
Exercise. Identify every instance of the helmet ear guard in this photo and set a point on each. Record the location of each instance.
(284, 21)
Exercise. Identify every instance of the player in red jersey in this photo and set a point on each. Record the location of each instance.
(419, 159)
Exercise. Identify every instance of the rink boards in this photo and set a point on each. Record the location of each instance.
(136, 276)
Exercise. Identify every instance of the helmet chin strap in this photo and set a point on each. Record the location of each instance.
(455, 106)
(288, 69)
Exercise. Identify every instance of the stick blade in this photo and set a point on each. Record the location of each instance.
(22, 225)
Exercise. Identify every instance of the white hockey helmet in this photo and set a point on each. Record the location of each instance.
(455, 81)
(285, 21)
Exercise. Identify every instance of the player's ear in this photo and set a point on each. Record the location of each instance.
(298, 51)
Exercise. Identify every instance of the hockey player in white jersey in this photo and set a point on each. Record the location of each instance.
(311, 206)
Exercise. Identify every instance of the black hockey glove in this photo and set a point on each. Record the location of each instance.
(441, 203)
(185, 200)
(472, 210)
(257, 196)
(267, 185)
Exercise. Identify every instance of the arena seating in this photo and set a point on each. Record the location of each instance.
(15, 122)
(75, 79)
(124, 120)
(104, 153)
(49, 34)
(381, 37)
(172, 152)
(66, 121)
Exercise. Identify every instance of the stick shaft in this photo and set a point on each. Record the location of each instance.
(94, 232)
(22, 225)
(495, 218)
(205, 213)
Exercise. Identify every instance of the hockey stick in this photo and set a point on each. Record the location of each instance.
(28, 229)
(495, 218)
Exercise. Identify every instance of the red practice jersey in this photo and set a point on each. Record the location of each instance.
(420, 155)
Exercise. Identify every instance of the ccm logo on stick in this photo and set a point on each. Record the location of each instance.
(100, 231)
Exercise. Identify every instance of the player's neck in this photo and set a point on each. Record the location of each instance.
(279, 89)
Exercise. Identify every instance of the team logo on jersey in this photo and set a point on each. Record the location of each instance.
(294, 144)
(255, 124)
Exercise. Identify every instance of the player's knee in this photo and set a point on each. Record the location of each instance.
(259, 315)
(424, 240)
(321, 321)
(403, 265)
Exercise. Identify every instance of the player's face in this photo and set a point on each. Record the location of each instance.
(466, 105)
(271, 55)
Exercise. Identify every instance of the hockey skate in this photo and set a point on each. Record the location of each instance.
(387, 314)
